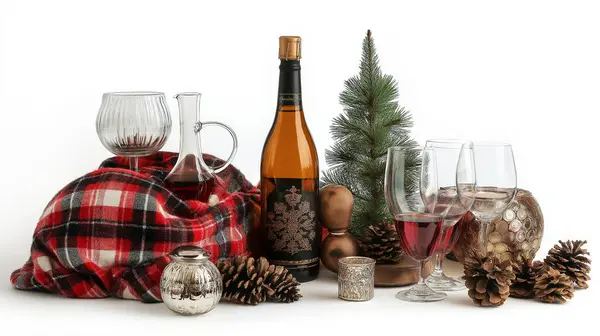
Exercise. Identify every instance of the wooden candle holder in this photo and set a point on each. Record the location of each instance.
(336, 204)
(336, 210)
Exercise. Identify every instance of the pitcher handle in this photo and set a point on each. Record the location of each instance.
(199, 125)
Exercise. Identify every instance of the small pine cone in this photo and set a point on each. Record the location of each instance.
(252, 281)
(572, 260)
(243, 278)
(525, 274)
(552, 286)
(381, 242)
(488, 279)
(282, 285)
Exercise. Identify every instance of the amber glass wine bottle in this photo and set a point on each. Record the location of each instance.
(289, 180)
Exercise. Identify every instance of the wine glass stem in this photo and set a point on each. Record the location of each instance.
(484, 230)
(133, 163)
(438, 270)
(421, 272)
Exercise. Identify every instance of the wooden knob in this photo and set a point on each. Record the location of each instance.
(337, 246)
(336, 207)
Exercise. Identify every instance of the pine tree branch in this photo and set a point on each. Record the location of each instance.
(343, 127)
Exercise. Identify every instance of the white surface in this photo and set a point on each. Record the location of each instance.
(319, 311)
(519, 71)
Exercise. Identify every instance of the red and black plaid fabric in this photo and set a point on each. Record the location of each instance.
(108, 233)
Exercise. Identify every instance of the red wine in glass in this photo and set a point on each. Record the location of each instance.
(450, 235)
(419, 233)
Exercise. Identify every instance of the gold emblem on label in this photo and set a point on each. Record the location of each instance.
(291, 224)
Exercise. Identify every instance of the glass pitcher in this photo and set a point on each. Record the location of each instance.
(191, 178)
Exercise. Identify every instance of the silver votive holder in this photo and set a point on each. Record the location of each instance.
(356, 278)
(191, 284)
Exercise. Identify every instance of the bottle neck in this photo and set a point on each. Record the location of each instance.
(189, 114)
(290, 90)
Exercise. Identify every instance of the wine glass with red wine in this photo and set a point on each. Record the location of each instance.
(496, 185)
(455, 167)
(418, 225)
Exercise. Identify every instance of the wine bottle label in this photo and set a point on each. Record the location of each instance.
(290, 99)
(292, 223)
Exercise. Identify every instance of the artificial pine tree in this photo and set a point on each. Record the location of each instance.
(372, 121)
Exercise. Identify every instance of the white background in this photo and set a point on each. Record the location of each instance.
(527, 72)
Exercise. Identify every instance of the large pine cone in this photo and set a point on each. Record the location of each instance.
(488, 279)
(572, 260)
(525, 274)
(553, 286)
(252, 281)
(381, 242)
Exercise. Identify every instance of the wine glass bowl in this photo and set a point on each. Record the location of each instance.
(420, 232)
(455, 169)
(133, 124)
(419, 226)
(489, 202)
(496, 184)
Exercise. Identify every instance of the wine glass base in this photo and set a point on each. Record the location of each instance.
(420, 293)
(445, 283)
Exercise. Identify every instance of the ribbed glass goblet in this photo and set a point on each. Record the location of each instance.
(133, 124)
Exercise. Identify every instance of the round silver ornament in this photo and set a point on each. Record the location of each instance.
(191, 284)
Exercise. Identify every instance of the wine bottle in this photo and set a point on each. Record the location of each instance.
(290, 177)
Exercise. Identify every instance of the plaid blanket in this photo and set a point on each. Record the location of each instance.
(109, 232)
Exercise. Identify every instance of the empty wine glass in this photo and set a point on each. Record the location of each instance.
(419, 227)
(133, 124)
(496, 184)
(455, 167)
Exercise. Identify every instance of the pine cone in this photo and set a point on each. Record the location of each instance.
(250, 281)
(381, 242)
(525, 273)
(243, 278)
(553, 286)
(283, 286)
(488, 279)
(572, 260)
